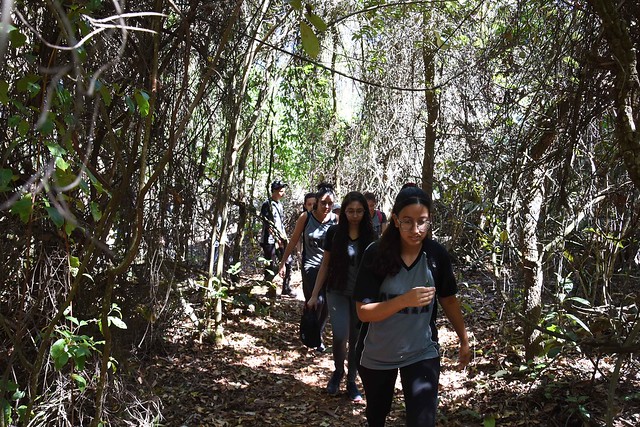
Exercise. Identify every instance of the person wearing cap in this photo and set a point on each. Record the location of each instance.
(274, 235)
(400, 277)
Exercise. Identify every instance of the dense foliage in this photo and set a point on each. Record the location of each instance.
(138, 139)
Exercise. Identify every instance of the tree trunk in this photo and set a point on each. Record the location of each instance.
(213, 298)
(627, 83)
(531, 262)
(433, 107)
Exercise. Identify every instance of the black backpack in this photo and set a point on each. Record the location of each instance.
(310, 326)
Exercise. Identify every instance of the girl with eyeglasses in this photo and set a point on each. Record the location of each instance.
(312, 226)
(399, 277)
(343, 248)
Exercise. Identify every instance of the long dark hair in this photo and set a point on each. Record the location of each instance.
(388, 260)
(339, 263)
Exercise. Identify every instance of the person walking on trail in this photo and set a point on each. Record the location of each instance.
(274, 236)
(312, 226)
(378, 218)
(309, 202)
(343, 248)
(399, 277)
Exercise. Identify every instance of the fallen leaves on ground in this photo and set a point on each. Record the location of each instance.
(261, 375)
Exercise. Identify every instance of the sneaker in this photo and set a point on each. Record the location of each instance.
(321, 348)
(353, 392)
(334, 383)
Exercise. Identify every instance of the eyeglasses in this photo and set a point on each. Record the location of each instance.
(422, 224)
(357, 212)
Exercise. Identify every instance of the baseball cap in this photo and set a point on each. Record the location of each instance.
(277, 184)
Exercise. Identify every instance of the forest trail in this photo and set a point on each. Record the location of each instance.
(262, 375)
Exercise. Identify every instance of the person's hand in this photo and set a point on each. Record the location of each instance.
(464, 357)
(281, 270)
(313, 302)
(419, 297)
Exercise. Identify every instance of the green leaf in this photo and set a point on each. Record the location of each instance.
(79, 361)
(142, 99)
(17, 395)
(310, 42)
(80, 381)
(554, 351)
(58, 348)
(64, 177)
(23, 128)
(489, 421)
(74, 261)
(55, 149)
(55, 216)
(8, 386)
(579, 322)
(105, 94)
(47, 127)
(62, 164)
(69, 226)
(59, 362)
(17, 39)
(579, 301)
(130, 105)
(316, 21)
(95, 211)
(296, 4)
(23, 208)
(6, 176)
(95, 183)
(4, 89)
(5, 411)
(117, 322)
(28, 83)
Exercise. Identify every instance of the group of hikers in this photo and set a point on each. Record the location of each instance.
(376, 279)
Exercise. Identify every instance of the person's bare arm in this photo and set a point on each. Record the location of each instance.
(295, 236)
(451, 307)
(320, 278)
(377, 311)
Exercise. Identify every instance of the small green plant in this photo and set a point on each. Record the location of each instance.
(75, 347)
(10, 393)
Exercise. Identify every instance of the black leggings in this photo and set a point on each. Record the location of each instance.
(420, 388)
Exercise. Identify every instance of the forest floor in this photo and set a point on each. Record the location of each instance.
(261, 375)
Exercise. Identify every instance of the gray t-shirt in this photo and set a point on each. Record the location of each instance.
(313, 241)
(403, 338)
(408, 336)
(377, 220)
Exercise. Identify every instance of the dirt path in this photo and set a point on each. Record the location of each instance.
(263, 376)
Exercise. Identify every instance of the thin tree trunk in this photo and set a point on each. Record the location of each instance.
(627, 82)
(531, 262)
(433, 106)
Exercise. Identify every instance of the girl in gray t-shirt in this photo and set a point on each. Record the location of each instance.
(312, 227)
(344, 245)
(399, 277)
